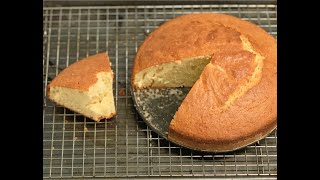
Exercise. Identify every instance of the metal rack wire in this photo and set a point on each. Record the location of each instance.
(124, 146)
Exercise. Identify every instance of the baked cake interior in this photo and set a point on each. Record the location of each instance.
(183, 73)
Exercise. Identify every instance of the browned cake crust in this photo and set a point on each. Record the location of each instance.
(234, 102)
(83, 71)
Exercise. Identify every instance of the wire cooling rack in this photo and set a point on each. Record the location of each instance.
(74, 146)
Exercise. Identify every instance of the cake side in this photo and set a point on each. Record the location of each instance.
(221, 146)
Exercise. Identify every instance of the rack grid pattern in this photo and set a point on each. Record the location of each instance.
(74, 146)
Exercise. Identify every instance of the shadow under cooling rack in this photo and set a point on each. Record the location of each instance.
(124, 146)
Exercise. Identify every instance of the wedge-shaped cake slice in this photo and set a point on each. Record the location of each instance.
(86, 87)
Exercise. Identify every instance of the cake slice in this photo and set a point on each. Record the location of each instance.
(86, 87)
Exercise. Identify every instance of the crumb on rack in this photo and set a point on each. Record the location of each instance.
(122, 92)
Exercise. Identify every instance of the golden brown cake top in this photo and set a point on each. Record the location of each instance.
(82, 74)
(235, 98)
(197, 35)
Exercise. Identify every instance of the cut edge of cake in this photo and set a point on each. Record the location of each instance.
(180, 73)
